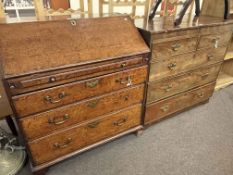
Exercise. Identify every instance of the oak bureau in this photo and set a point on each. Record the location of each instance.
(73, 84)
(185, 62)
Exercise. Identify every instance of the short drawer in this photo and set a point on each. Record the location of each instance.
(161, 109)
(159, 37)
(206, 30)
(59, 144)
(43, 100)
(49, 79)
(172, 48)
(170, 86)
(214, 40)
(177, 64)
(45, 123)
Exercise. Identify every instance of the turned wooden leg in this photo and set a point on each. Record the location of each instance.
(139, 132)
(40, 172)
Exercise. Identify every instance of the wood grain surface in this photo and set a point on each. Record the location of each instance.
(42, 124)
(31, 103)
(41, 46)
(85, 134)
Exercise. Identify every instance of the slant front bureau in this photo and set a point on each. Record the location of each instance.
(185, 63)
(73, 84)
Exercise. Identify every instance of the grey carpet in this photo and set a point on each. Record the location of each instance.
(196, 142)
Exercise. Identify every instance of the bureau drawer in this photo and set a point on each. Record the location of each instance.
(171, 86)
(177, 64)
(67, 141)
(161, 109)
(214, 40)
(172, 48)
(49, 79)
(45, 123)
(58, 96)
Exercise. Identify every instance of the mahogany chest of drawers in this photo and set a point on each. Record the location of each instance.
(73, 84)
(185, 63)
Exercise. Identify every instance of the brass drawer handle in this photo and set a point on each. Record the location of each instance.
(92, 104)
(216, 42)
(92, 84)
(175, 47)
(127, 81)
(53, 101)
(168, 88)
(200, 95)
(55, 121)
(123, 65)
(93, 124)
(63, 145)
(165, 108)
(205, 75)
(120, 122)
(172, 66)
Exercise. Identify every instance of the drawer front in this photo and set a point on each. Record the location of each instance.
(70, 140)
(172, 48)
(215, 40)
(45, 123)
(54, 78)
(177, 64)
(159, 110)
(171, 86)
(216, 29)
(58, 96)
(174, 35)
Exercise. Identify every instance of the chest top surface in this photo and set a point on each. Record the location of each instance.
(166, 23)
(38, 46)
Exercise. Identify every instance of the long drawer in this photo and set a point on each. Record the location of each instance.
(53, 78)
(72, 139)
(45, 123)
(172, 48)
(58, 96)
(171, 66)
(170, 86)
(161, 109)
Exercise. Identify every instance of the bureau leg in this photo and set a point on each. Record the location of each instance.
(11, 125)
(139, 132)
(40, 172)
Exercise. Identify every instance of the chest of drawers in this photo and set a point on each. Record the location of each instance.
(185, 63)
(73, 84)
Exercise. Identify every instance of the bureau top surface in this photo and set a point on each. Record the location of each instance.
(37, 46)
(166, 24)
